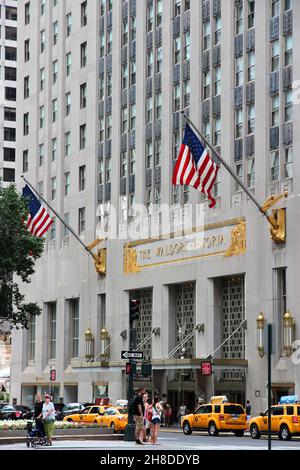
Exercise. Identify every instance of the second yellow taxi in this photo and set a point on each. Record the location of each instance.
(87, 415)
(115, 418)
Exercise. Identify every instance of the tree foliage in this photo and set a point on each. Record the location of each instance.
(18, 252)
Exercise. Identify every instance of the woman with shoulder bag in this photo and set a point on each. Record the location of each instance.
(48, 417)
(156, 419)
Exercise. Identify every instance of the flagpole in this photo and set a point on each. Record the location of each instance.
(60, 218)
(225, 164)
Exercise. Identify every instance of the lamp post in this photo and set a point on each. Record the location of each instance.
(288, 325)
(89, 345)
(260, 325)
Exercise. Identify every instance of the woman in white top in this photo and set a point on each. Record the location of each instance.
(48, 417)
(156, 419)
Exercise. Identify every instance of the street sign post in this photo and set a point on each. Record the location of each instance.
(132, 355)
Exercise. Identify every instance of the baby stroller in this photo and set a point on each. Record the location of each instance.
(35, 435)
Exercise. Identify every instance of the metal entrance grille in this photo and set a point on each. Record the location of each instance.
(185, 318)
(144, 324)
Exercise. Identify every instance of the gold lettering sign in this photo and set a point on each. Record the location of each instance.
(226, 239)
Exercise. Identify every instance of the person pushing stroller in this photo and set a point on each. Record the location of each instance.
(37, 416)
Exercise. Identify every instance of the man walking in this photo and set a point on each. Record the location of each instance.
(138, 412)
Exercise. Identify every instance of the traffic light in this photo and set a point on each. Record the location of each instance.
(134, 309)
(130, 368)
(146, 370)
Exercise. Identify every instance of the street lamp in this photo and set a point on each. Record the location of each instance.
(288, 324)
(89, 345)
(260, 326)
(104, 344)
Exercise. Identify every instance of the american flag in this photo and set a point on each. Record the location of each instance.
(39, 221)
(194, 167)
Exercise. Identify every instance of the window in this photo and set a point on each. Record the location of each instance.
(52, 329)
(288, 4)
(101, 87)
(149, 155)
(68, 24)
(177, 50)
(10, 33)
(150, 14)
(275, 8)
(109, 38)
(157, 155)
(9, 134)
(42, 116)
(238, 123)
(158, 13)
(218, 29)
(132, 116)
(148, 196)
(239, 174)
(102, 45)
(239, 18)
(177, 7)
(288, 105)
(26, 124)
(42, 40)
(250, 172)
(42, 6)
(275, 110)
(53, 188)
(108, 126)
(9, 154)
(123, 164)
(187, 45)
(10, 93)
(149, 108)
(26, 51)
(25, 161)
(275, 166)
(83, 14)
(54, 110)
(288, 54)
(187, 5)
(68, 63)
(124, 120)
(82, 178)
(83, 95)
(82, 136)
(11, 53)
(217, 131)
(10, 114)
(251, 13)
(206, 85)
(217, 81)
(54, 149)
(41, 154)
(239, 71)
(26, 87)
(67, 221)
(251, 66)
(288, 162)
(101, 129)
(132, 72)
(68, 103)
(81, 220)
(132, 161)
(67, 143)
(102, 7)
(27, 13)
(41, 187)
(275, 55)
(54, 71)
(11, 13)
(67, 183)
(83, 54)
(109, 5)
(176, 97)
(109, 84)
(8, 175)
(31, 338)
(74, 326)
(158, 104)
(42, 78)
(206, 35)
(133, 28)
(10, 74)
(53, 230)
(186, 93)
(55, 32)
(176, 144)
(159, 59)
(124, 76)
(124, 32)
(149, 63)
(251, 118)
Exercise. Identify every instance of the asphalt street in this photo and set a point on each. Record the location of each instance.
(170, 441)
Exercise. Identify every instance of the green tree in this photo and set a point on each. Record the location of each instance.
(18, 252)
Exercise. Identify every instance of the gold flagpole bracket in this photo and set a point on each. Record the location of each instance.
(278, 218)
(99, 258)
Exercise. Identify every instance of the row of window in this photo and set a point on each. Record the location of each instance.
(83, 17)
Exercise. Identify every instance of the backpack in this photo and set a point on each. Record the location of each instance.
(131, 406)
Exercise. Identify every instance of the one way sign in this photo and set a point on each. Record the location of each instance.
(132, 355)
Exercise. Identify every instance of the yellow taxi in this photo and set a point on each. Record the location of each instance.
(115, 418)
(285, 420)
(87, 415)
(217, 416)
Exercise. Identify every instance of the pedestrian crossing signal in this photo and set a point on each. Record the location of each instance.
(130, 368)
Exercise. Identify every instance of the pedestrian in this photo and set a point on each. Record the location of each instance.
(48, 417)
(156, 419)
(138, 414)
(248, 410)
(181, 412)
(168, 414)
(146, 422)
(38, 414)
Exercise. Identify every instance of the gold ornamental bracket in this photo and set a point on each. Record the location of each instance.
(99, 257)
(278, 218)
